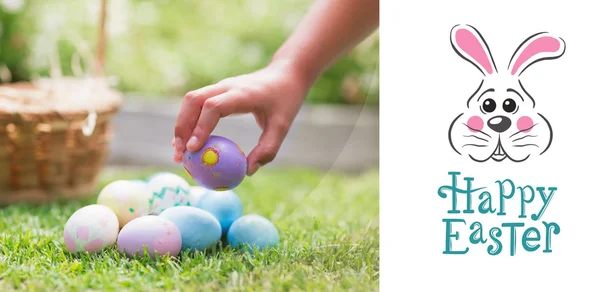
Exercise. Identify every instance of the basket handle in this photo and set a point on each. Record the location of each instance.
(101, 39)
(82, 50)
(90, 121)
(89, 83)
(88, 128)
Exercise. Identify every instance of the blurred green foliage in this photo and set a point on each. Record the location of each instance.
(13, 39)
(165, 48)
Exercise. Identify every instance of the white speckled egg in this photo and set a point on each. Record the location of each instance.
(128, 199)
(195, 193)
(168, 190)
(91, 229)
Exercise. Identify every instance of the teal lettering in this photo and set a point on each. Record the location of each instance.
(477, 235)
(486, 204)
(496, 247)
(450, 235)
(525, 201)
(527, 238)
(456, 190)
(551, 228)
(513, 235)
(545, 199)
(503, 194)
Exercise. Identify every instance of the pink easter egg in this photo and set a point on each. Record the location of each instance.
(158, 234)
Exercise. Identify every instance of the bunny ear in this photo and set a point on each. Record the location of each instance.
(538, 47)
(468, 43)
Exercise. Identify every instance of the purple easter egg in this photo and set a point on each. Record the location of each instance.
(160, 235)
(219, 165)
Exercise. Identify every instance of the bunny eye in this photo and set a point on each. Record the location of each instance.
(509, 105)
(489, 105)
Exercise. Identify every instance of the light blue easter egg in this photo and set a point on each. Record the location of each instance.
(195, 193)
(253, 231)
(199, 229)
(224, 205)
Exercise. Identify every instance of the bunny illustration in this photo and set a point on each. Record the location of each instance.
(501, 121)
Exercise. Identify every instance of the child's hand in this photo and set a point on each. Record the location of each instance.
(273, 95)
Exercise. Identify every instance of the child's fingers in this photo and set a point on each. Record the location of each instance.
(177, 156)
(190, 111)
(175, 152)
(215, 108)
(268, 145)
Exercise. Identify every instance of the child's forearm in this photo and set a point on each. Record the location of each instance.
(327, 32)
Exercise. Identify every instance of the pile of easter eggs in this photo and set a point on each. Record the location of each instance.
(165, 215)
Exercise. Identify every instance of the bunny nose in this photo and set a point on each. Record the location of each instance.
(499, 123)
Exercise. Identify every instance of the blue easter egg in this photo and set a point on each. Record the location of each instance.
(252, 230)
(199, 229)
(224, 205)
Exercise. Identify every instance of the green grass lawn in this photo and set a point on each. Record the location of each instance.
(328, 223)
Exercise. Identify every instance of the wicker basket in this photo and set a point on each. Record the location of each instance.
(45, 153)
(55, 134)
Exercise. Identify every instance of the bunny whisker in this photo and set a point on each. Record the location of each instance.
(479, 131)
(525, 145)
(524, 130)
(526, 136)
(482, 139)
(474, 145)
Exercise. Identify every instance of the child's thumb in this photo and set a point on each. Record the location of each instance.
(268, 146)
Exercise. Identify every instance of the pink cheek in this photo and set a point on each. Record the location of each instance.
(475, 124)
(524, 124)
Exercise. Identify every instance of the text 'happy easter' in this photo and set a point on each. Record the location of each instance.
(527, 232)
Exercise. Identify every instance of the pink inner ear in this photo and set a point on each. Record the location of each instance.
(471, 45)
(545, 44)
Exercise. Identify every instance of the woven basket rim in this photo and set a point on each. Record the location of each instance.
(108, 105)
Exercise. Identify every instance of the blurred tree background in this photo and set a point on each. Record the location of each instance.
(160, 48)
(13, 40)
